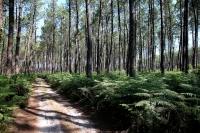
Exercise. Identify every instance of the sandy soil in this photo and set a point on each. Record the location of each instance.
(48, 112)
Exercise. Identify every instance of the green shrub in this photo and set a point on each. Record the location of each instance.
(21, 88)
(4, 81)
(23, 104)
(13, 91)
(150, 102)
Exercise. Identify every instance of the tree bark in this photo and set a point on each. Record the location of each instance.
(185, 64)
(98, 39)
(153, 37)
(195, 46)
(119, 30)
(170, 40)
(1, 15)
(77, 38)
(17, 69)
(107, 67)
(10, 38)
(89, 40)
(132, 42)
(70, 45)
(179, 62)
(112, 30)
(53, 45)
(162, 45)
(1, 32)
(125, 38)
(140, 40)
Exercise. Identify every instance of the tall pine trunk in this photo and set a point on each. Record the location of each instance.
(119, 30)
(70, 45)
(1, 32)
(18, 39)
(185, 65)
(195, 45)
(162, 45)
(132, 42)
(89, 40)
(107, 46)
(53, 45)
(77, 38)
(112, 30)
(98, 39)
(10, 38)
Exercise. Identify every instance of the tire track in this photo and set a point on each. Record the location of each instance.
(56, 115)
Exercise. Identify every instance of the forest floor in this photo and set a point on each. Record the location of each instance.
(49, 112)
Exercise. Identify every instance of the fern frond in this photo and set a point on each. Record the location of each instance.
(143, 95)
(188, 94)
(142, 103)
(180, 104)
(158, 94)
(163, 102)
(172, 94)
(195, 110)
(1, 116)
(143, 90)
(186, 86)
(83, 89)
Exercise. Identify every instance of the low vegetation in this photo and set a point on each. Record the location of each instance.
(148, 103)
(13, 94)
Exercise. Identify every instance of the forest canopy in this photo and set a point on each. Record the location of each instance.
(145, 35)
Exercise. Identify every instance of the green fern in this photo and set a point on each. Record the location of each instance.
(150, 102)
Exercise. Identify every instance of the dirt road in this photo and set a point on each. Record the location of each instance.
(48, 112)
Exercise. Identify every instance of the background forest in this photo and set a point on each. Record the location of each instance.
(165, 33)
(136, 61)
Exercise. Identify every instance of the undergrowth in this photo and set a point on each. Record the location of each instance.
(13, 93)
(148, 103)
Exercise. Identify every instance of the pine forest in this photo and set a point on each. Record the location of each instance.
(134, 64)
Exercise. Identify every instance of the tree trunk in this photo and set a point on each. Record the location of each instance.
(1, 16)
(98, 39)
(61, 43)
(53, 45)
(107, 67)
(70, 45)
(195, 47)
(18, 39)
(89, 40)
(132, 42)
(77, 38)
(153, 38)
(112, 28)
(3, 43)
(119, 30)
(30, 41)
(10, 38)
(170, 40)
(185, 39)
(149, 37)
(140, 40)
(101, 49)
(162, 45)
(1, 32)
(125, 39)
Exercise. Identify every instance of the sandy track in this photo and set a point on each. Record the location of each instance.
(57, 115)
(48, 112)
